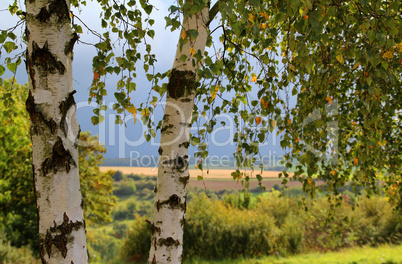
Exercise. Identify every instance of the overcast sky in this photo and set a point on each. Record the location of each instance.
(121, 140)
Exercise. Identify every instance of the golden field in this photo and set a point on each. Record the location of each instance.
(207, 174)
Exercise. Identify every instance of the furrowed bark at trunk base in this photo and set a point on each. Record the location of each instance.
(54, 132)
(167, 223)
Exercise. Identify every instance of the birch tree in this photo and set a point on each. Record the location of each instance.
(54, 132)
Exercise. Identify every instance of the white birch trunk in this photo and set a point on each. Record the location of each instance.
(173, 175)
(54, 132)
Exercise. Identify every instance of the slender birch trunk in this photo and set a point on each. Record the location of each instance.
(54, 132)
(173, 175)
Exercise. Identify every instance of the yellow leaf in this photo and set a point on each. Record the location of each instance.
(388, 55)
(289, 122)
(310, 181)
(340, 58)
(297, 140)
(254, 78)
(258, 120)
(273, 123)
(96, 75)
(213, 94)
(192, 51)
(329, 99)
(183, 34)
(356, 65)
(355, 160)
(382, 142)
(399, 47)
(145, 112)
(333, 172)
(251, 17)
(265, 15)
(132, 110)
(265, 104)
(71, 15)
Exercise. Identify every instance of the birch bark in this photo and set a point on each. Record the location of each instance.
(173, 175)
(54, 132)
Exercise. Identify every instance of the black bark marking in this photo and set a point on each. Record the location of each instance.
(155, 229)
(181, 84)
(64, 107)
(168, 242)
(155, 245)
(155, 189)
(185, 204)
(185, 124)
(158, 205)
(61, 159)
(174, 202)
(154, 260)
(42, 251)
(182, 221)
(44, 59)
(166, 128)
(184, 180)
(185, 100)
(165, 117)
(77, 138)
(61, 239)
(56, 7)
(28, 63)
(178, 163)
(37, 117)
(68, 48)
(184, 144)
(160, 150)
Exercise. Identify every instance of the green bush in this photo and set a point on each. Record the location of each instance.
(14, 255)
(125, 211)
(136, 247)
(125, 188)
(117, 176)
(103, 246)
(218, 229)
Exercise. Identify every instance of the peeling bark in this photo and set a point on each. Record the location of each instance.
(54, 132)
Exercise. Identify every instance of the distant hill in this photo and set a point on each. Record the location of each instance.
(153, 162)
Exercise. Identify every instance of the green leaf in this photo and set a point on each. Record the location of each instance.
(148, 9)
(95, 120)
(78, 29)
(2, 69)
(120, 97)
(12, 67)
(9, 46)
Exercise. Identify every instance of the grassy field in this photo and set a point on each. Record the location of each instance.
(380, 255)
